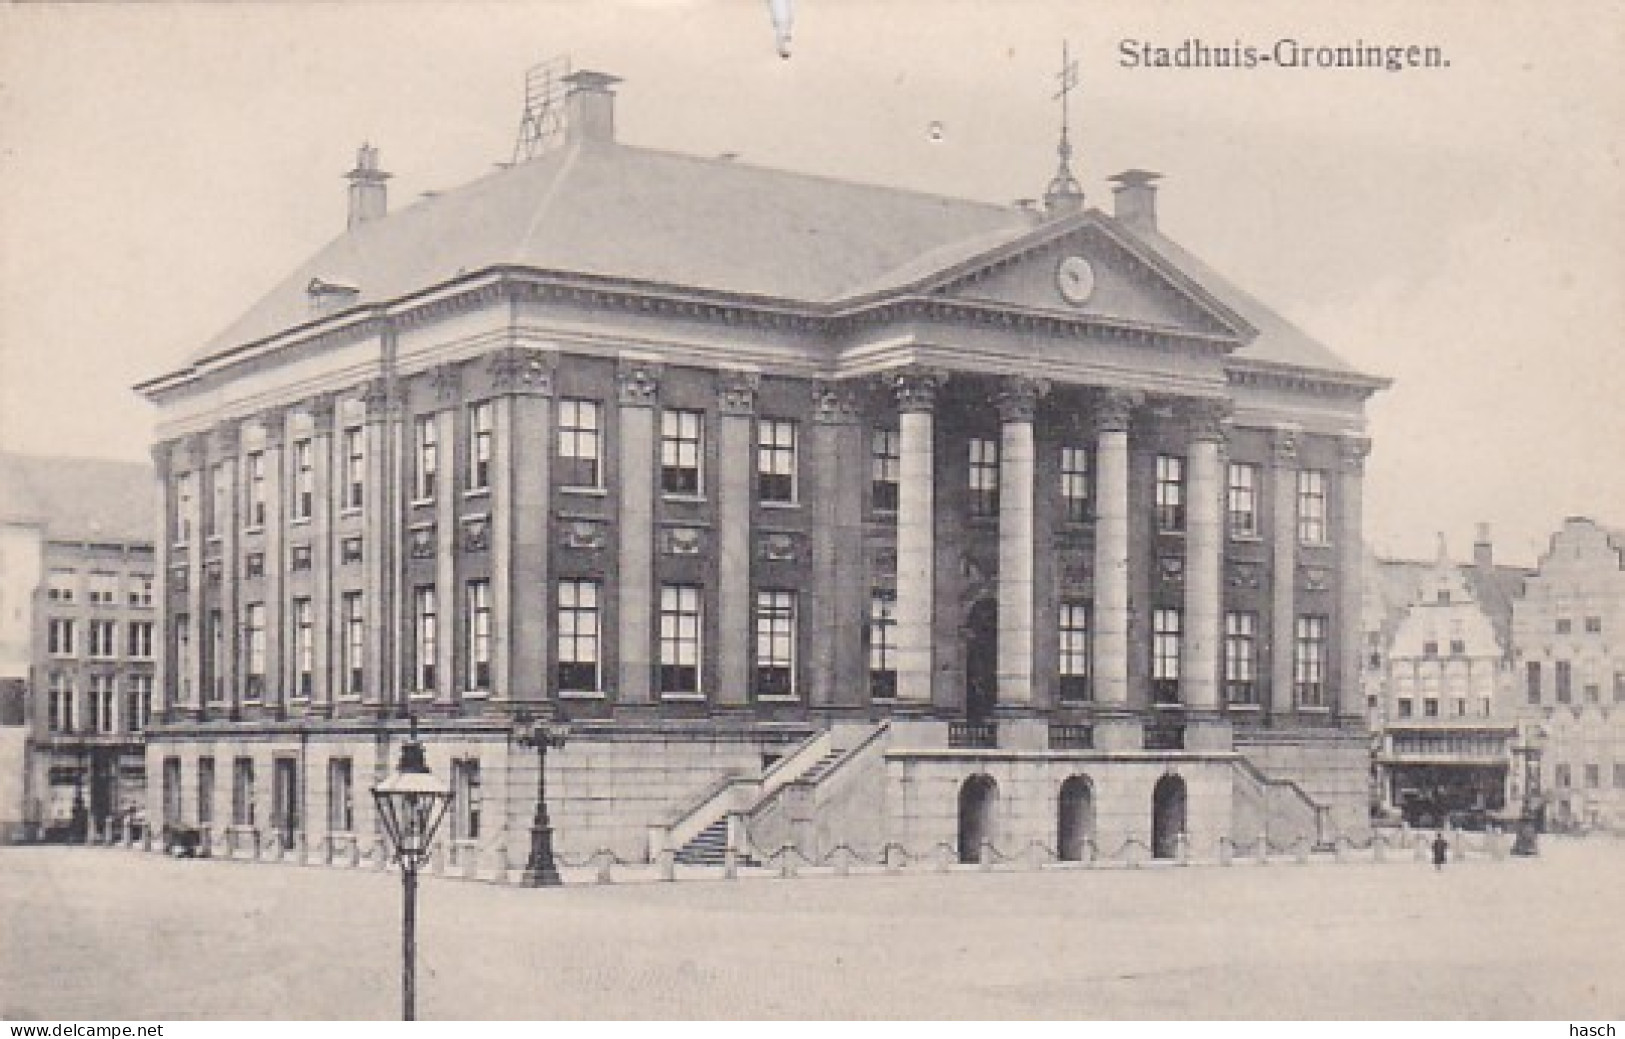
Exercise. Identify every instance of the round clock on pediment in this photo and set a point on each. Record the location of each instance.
(1076, 280)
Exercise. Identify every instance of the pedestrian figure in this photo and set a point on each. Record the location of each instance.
(1441, 850)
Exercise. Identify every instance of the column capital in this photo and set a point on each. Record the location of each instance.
(273, 423)
(1018, 397)
(447, 380)
(163, 458)
(375, 398)
(834, 402)
(522, 370)
(638, 382)
(1114, 409)
(736, 392)
(1352, 452)
(916, 387)
(1207, 419)
(224, 440)
(1284, 447)
(322, 408)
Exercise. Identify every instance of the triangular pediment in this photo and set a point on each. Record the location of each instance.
(1088, 268)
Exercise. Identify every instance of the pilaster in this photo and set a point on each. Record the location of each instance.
(916, 391)
(840, 592)
(1018, 407)
(1352, 452)
(1199, 666)
(638, 384)
(1283, 566)
(322, 446)
(525, 376)
(273, 425)
(1114, 411)
(736, 406)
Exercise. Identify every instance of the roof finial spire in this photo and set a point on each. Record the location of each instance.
(1064, 194)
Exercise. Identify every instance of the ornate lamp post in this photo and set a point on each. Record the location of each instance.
(542, 733)
(1530, 821)
(411, 804)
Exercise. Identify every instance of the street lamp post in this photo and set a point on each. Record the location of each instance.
(411, 803)
(542, 733)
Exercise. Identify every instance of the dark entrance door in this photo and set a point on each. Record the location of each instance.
(1167, 816)
(978, 801)
(1075, 819)
(285, 800)
(103, 765)
(981, 660)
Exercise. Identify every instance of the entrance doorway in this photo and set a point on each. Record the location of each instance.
(978, 804)
(1167, 816)
(1075, 819)
(285, 800)
(981, 660)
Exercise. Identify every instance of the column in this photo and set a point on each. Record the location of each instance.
(1116, 728)
(375, 505)
(1018, 406)
(321, 552)
(839, 469)
(639, 391)
(1352, 452)
(520, 518)
(274, 425)
(916, 391)
(1283, 565)
(448, 603)
(162, 557)
(499, 536)
(736, 398)
(1203, 606)
(228, 529)
(197, 626)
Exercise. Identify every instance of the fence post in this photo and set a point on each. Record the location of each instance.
(1303, 851)
(604, 859)
(1225, 854)
(945, 857)
(1182, 849)
(984, 856)
(889, 860)
(1264, 849)
(380, 854)
(668, 864)
(787, 863)
(843, 860)
(1379, 848)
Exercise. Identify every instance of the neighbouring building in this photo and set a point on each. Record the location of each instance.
(1439, 684)
(1568, 634)
(860, 514)
(78, 644)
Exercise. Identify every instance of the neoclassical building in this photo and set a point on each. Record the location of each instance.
(856, 514)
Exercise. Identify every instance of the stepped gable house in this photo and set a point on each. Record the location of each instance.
(860, 514)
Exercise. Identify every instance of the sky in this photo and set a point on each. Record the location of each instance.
(1460, 230)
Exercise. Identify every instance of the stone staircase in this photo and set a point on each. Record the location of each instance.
(709, 847)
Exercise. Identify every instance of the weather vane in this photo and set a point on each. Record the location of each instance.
(1064, 192)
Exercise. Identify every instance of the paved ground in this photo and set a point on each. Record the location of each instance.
(91, 933)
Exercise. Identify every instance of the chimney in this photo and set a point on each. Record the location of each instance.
(369, 197)
(1134, 199)
(1483, 548)
(589, 107)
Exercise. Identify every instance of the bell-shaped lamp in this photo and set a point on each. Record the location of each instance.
(412, 803)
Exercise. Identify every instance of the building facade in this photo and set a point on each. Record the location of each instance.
(1570, 664)
(78, 644)
(854, 514)
(1439, 683)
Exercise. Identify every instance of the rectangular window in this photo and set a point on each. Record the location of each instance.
(140, 589)
(775, 643)
(1594, 625)
(102, 699)
(1593, 774)
(1430, 707)
(481, 423)
(103, 639)
(61, 694)
(1241, 658)
(59, 637)
(340, 795)
(1165, 642)
(1075, 483)
(172, 790)
(1170, 493)
(883, 644)
(103, 588)
(984, 476)
(680, 639)
(253, 651)
(1619, 686)
(354, 665)
(304, 646)
(427, 641)
(1619, 776)
(138, 702)
(578, 636)
(478, 633)
(682, 443)
(254, 491)
(205, 791)
(1564, 680)
(355, 469)
(1532, 680)
(426, 469)
(1309, 661)
(1458, 647)
(1430, 648)
(60, 586)
(885, 468)
(303, 501)
(214, 664)
(581, 443)
(1074, 651)
(465, 797)
(242, 792)
(776, 460)
(1241, 500)
(1405, 707)
(1560, 774)
(1564, 625)
(185, 494)
(1593, 692)
(183, 656)
(1312, 507)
